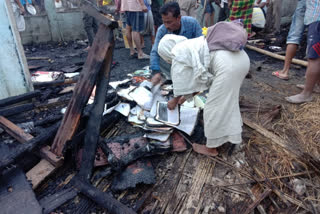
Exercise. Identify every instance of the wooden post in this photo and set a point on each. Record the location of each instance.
(82, 90)
(277, 56)
(92, 132)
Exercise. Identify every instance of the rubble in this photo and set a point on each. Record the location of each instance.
(115, 156)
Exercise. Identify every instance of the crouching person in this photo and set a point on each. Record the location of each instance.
(217, 63)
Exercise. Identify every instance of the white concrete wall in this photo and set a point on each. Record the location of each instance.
(14, 73)
(53, 26)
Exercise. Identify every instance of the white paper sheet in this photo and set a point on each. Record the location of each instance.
(123, 108)
(134, 119)
(152, 122)
(188, 119)
(142, 97)
(135, 110)
(117, 83)
(125, 92)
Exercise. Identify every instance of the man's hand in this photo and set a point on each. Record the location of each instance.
(144, 8)
(22, 10)
(173, 103)
(181, 100)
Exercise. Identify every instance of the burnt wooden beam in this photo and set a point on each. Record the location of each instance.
(19, 98)
(53, 102)
(83, 89)
(52, 202)
(107, 123)
(15, 131)
(50, 119)
(28, 146)
(95, 12)
(55, 160)
(92, 132)
(6, 112)
(103, 199)
(46, 166)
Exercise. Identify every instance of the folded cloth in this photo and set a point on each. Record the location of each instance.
(229, 36)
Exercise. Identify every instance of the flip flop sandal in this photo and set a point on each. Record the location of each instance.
(144, 56)
(277, 74)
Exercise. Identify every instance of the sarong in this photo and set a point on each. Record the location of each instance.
(242, 9)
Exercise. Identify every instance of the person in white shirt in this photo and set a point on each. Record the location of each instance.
(216, 63)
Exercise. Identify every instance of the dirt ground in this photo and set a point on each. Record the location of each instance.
(186, 182)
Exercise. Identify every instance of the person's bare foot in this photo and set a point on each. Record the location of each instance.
(299, 98)
(281, 75)
(316, 88)
(202, 149)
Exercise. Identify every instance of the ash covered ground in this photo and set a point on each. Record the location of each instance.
(260, 87)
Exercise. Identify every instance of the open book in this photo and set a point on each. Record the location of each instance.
(188, 119)
(166, 116)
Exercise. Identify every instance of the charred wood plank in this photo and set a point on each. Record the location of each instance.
(107, 123)
(6, 112)
(93, 11)
(83, 89)
(103, 199)
(39, 172)
(52, 158)
(92, 132)
(19, 98)
(49, 119)
(53, 102)
(15, 131)
(54, 201)
(44, 168)
(10, 157)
